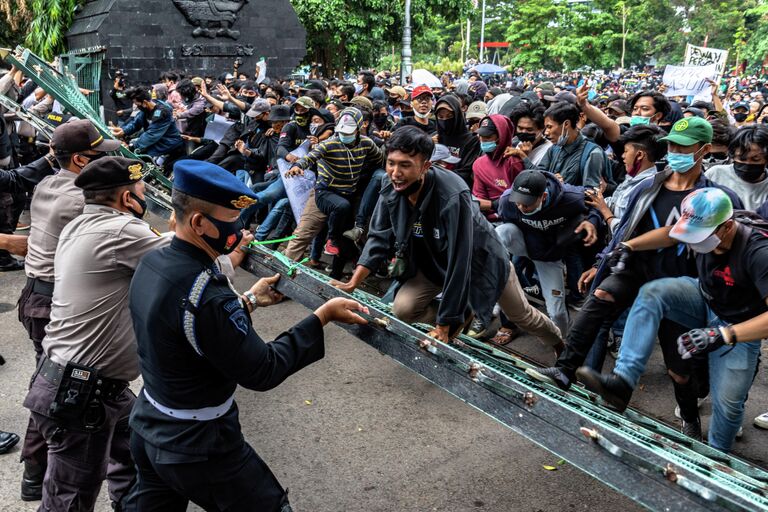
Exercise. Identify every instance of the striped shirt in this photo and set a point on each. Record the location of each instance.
(339, 167)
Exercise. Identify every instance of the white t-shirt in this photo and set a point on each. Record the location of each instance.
(753, 195)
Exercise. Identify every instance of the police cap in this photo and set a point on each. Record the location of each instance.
(110, 172)
(211, 183)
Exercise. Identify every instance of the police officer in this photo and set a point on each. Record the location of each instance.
(55, 203)
(196, 344)
(79, 397)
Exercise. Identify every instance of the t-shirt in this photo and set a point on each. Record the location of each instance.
(753, 195)
(430, 128)
(673, 261)
(736, 284)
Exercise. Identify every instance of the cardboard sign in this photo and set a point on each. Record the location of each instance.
(689, 81)
(701, 56)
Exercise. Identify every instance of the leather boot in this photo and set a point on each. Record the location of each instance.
(32, 481)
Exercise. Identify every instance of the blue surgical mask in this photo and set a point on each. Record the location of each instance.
(563, 140)
(534, 211)
(681, 162)
(636, 120)
(488, 147)
(347, 139)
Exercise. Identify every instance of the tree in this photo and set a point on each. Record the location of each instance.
(42, 24)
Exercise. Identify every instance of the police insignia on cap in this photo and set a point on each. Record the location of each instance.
(681, 125)
(243, 202)
(135, 171)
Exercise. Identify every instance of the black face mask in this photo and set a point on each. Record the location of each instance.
(751, 173)
(246, 99)
(229, 235)
(718, 156)
(143, 205)
(526, 137)
(740, 117)
(444, 125)
(392, 101)
(412, 188)
(380, 120)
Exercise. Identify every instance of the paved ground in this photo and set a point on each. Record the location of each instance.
(357, 431)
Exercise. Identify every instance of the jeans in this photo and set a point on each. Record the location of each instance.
(273, 192)
(243, 176)
(273, 218)
(369, 199)
(339, 211)
(551, 275)
(731, 369)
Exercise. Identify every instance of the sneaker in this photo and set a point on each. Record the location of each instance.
(22, 227)
(699, 403)
(692, 429)
(614, 344)
(477, 329)
(551, 375)
(330, 249)
(355, 234)
(12, 265)
(534, 295)
(762, 421)
(613, 389)
(740, 433)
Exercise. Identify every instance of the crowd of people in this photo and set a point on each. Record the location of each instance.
(631, 218)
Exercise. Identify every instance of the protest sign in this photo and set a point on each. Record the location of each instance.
(297, 188)
(689, 81)
(216, 128)
(702, 56)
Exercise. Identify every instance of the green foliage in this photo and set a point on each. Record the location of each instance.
(41, 23)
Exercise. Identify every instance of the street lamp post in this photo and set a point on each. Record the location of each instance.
(405, 62)
(482, 34)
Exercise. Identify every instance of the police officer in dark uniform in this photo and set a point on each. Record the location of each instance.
(196, 344)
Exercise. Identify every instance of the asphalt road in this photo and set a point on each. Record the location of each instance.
(358, 432)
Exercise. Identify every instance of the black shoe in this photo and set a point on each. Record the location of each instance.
(613, 389)
(534, 295)
(7, 441)
(552, 375)
(692, 429)
(12, 266)
(32, 482)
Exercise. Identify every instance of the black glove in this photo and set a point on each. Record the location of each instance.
(619, 258)
(697, 341)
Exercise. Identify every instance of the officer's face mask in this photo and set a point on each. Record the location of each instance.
(142, 203)
(229, 237)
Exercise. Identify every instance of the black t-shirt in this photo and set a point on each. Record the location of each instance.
(735, 284)
(430, 128)
(672, 261)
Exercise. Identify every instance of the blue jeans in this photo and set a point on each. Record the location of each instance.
(731, 369)
(369, 199)
(551, 275)
(270, 195)
(272, 219)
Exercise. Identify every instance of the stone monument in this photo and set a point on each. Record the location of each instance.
(202, 37)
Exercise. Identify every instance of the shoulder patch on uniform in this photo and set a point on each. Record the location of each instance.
(158, 113)
(232, 306)
(240, 320)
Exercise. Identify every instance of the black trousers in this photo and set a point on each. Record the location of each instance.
(339, 211)
(234, 481)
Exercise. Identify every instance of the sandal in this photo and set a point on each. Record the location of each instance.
(503, 337)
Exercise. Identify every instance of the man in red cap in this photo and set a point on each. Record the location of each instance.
(422, 101)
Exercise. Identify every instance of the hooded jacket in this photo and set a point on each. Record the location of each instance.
(456, 136)
(339, 166)
(475, 266)
(563, 207)
(494, 173)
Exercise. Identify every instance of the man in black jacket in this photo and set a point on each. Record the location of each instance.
(442, 243)
(452, 132)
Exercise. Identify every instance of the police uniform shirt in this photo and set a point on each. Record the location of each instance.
(90, 321)
(227, 351)
(55, 203)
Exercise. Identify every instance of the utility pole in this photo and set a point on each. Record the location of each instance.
(405, 63)
(623, 33)
(482, 35)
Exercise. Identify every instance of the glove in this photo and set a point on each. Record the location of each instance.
(619, 258)
(697, 341)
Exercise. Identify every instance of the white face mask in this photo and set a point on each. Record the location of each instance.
(420, 115)
(707, 245)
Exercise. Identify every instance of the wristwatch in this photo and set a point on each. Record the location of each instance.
(251, 298)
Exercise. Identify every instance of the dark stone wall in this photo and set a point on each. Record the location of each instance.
(147, 37)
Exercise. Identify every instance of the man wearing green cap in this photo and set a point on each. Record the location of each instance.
(725, 305)
(616, 279)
